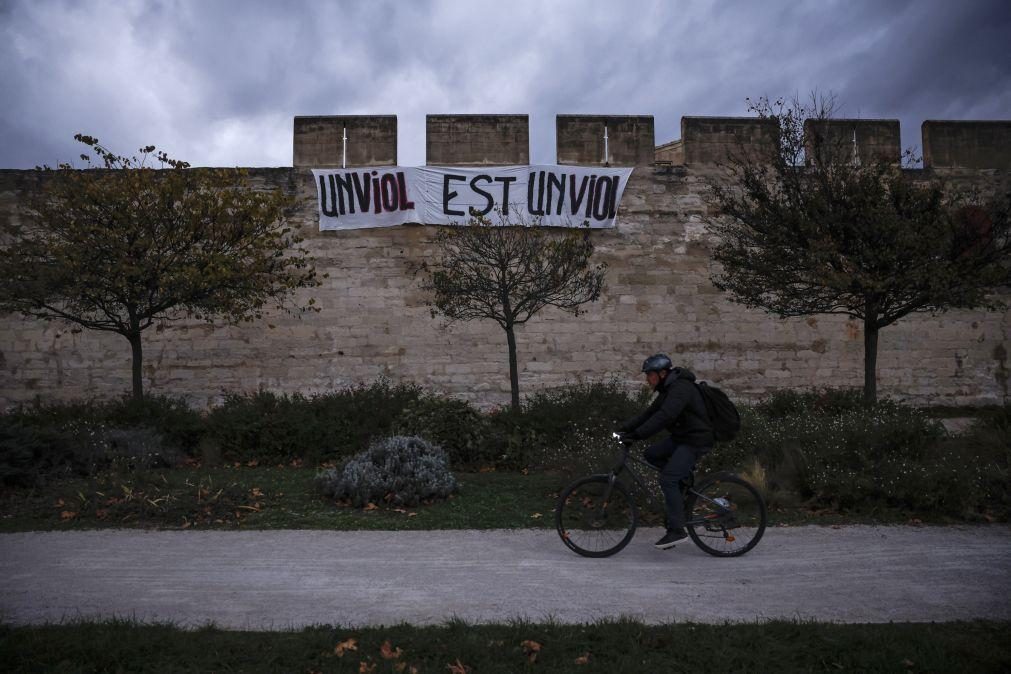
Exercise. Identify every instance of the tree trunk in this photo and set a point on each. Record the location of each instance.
(870, 361)
(138, 357)
(514, 375)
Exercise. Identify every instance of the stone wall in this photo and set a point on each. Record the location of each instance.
(374, 319)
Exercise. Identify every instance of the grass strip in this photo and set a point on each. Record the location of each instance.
(286, 498)
(267, 498)
(457, 647)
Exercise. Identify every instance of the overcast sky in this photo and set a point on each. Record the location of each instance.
(217, 82)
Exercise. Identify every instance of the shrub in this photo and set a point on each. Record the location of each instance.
(350, 418)
(398, 470)
(583, 452)
(26, 453)
(553, 423)
(830, 450)
(141, 447)
(830, 402)
(263, 426)
(31, 454)
(274, 427)
(601, 405)
(454, 425)
(179, 425)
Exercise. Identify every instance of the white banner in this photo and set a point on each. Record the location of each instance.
(557, 196)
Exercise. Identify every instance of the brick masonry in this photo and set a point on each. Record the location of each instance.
(374, 320)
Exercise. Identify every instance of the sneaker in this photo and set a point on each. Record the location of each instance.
(671, 538)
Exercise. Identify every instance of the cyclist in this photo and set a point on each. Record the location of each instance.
(679, 408)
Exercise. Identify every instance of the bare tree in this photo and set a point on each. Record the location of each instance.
(509, 272)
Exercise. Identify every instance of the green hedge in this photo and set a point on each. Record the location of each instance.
(822, 448)
(827, 449)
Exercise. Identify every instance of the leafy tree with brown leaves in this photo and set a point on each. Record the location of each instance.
(508, 272)
(118, 246)
(810, 228)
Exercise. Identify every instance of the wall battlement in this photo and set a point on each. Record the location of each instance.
(497, 140)
(476, 140)
(318, 142)
(971, 144)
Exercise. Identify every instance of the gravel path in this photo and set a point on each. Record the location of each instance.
(285, 579)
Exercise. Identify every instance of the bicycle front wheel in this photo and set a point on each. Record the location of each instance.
(595, 517)
(726, 516)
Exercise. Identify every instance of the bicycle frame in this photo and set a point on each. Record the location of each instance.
(623, 465)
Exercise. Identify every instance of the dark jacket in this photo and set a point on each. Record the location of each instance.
(679, 408)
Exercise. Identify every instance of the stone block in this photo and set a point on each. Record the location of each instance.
(713, 140)
(319, 141)
(854, 140)
(580, 140)
(477, 140)
(967, 144)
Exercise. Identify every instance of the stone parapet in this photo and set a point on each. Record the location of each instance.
(714, 140)
(857, 140)
(477, 140)
(604, 140)
(967, 144)
(318, 142)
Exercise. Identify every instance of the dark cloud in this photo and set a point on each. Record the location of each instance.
(219, 82)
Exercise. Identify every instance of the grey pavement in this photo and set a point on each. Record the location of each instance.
(288, 579)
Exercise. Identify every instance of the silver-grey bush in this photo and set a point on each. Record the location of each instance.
(399, 470)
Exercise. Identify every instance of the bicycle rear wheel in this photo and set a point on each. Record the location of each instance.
(590, 525)
(726, 516)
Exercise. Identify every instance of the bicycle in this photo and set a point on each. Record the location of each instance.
(596, 516)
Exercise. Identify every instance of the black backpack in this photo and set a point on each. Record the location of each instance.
(722, 413)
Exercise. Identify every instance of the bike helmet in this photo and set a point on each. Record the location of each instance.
(657, 362)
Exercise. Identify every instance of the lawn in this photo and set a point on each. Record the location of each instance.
(286, 498)
(459, 648)
(266, 498)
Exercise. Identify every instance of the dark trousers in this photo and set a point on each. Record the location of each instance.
(676, 463)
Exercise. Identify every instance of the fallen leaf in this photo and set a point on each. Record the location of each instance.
(256, 492)
(386, 650)
(531, 649)
(525, 471)
(370, 506)
(412, 514)
(68, 515)
(583, 659)
(101, 513)
(458, 668)
(60, 503)
(344, 646)
(366, 667)
(536, 516)
(253, 463)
